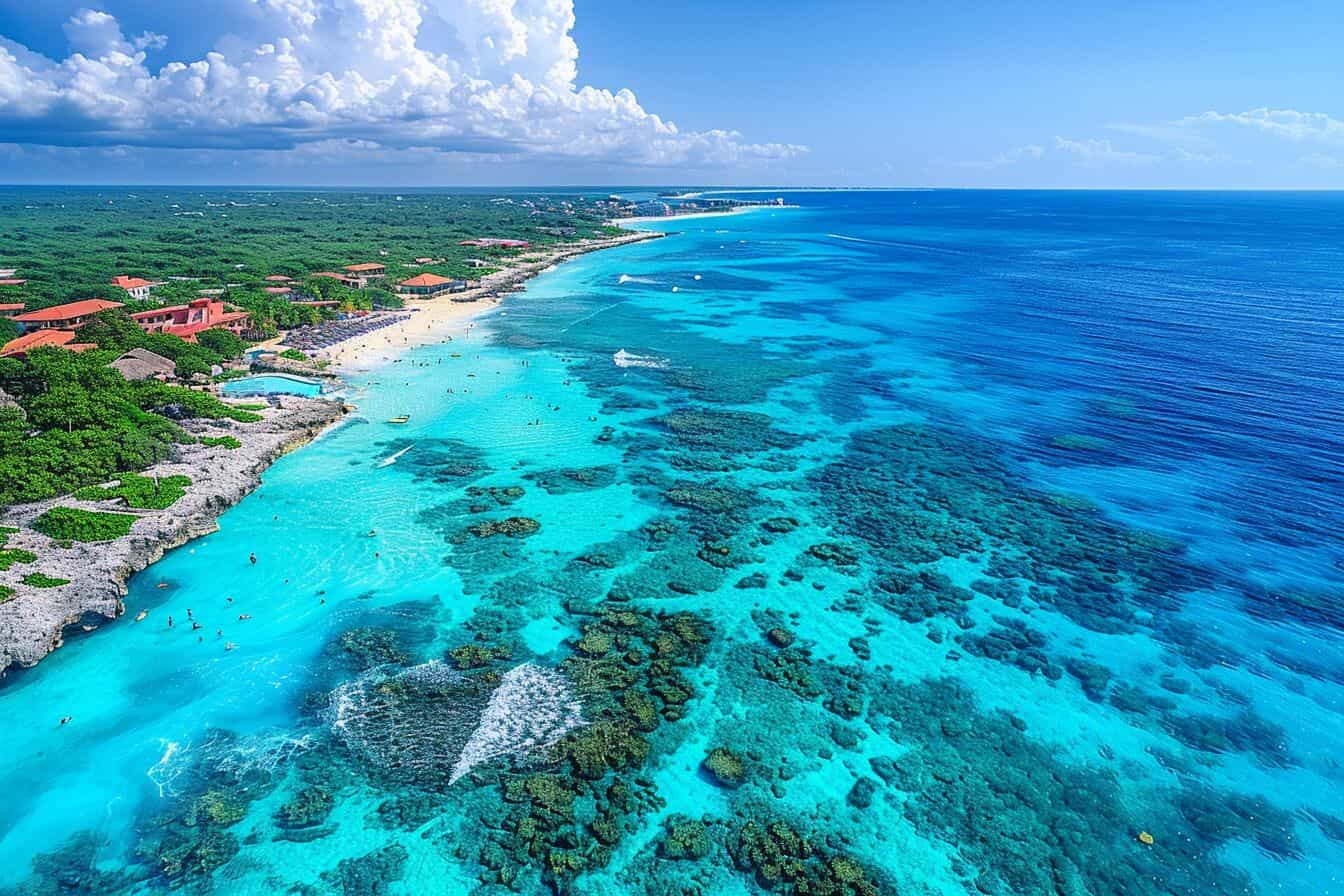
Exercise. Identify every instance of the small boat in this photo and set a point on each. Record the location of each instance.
(403, 418)
(139, 617)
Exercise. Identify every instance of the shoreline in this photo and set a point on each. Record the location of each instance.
(34, 622)
(435, 320)
(657, 219)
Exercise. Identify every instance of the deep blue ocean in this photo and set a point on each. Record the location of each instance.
(927, 542)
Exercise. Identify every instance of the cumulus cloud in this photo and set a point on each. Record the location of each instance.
(1288, 123)
(466, 76)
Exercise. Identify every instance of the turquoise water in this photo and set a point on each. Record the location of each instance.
(272, 385)
(972, 535)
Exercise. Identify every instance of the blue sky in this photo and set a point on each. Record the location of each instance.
(444, 92)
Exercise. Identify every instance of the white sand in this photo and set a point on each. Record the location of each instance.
(451, 316)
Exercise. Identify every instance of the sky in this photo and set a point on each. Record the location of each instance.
(1201, 95)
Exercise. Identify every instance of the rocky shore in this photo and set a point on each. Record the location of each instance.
(34, 620)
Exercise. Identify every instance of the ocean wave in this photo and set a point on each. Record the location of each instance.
(530, 710)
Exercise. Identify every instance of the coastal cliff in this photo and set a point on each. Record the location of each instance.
(33, 621)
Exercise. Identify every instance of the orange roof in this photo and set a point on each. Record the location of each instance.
(426, 280)
(11, 306)
(67, 311)
(332, 274)
(277, 290)
(13, 281)
(36, 339)
(366, 266)
(155, 312)
(81, 346)
(130, 282)
(278, 278)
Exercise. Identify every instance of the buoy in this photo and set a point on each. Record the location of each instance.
(1145, 838)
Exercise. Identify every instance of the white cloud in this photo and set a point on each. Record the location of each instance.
(1095, 150)
(1288, 123)
(467, 76)
(1030, 152)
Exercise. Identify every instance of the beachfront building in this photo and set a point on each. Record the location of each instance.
(18, 349)
(277, 290)
(429, 285)
(63, 317)
(11, 309)
(362, 274)
(142, 364)
(185, 321)
(136, 287)
(494, 243)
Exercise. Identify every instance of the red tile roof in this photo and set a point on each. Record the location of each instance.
(67, 311)
(11, 306)
(330, 274)
(278, 278)
(36, 339)
(130, 282)
(155, 312)
(426, 280)
(366, 266)
(277, 290)
(13, 281)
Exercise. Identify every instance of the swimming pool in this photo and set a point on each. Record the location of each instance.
(273, 384)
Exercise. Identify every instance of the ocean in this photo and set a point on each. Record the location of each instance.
(926, 542)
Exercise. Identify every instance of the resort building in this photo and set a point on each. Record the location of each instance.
(185, 321)
(135, 287)
(363, 273)
(142, 364)
(10, 309)
(19, 348)
(64, 317)
(12, 281)
(429, 285)
(493, 243)
(477, 263)
(279, 278)
(277, 290)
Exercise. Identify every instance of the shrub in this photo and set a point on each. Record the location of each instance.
(221, 442)
(66, 524)
(6, 593)
(140, 491)
(39, 580)
(293, 354)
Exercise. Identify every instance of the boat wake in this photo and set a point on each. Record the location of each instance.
(391, 459)
(624, 358)
(630, 278)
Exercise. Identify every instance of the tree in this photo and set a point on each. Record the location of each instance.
(222, 343)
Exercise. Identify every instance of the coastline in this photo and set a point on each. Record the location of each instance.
(440, 319)
(35, 621)
(658, 219)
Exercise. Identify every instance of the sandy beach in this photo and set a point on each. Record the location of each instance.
(449, 317)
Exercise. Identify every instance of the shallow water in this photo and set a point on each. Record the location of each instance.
(1005, 527)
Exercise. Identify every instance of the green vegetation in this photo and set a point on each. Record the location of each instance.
(67, 524)
(293, 354)
(70, 242)
(6, 593)
(228, 442)
(39, 580)
(139, 491)
(10, 556)
(78, 422)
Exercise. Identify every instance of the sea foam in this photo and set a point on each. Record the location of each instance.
(531, 709)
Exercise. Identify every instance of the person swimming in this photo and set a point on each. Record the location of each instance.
(252, 558)
(243, 617)
(65, 720)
